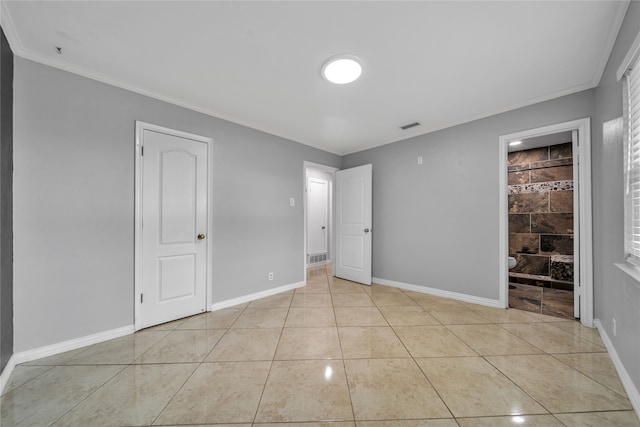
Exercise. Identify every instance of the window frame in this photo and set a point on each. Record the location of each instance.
(631, 165)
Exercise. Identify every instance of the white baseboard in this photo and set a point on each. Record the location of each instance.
(6, 373)
(257, 295)
(632, 391)
(61, 347)
(50, 350)
(439, 292)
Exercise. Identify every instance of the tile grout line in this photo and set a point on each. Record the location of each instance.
(275, 351)
(344, 364)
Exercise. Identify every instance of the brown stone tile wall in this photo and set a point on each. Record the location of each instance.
(541, 215)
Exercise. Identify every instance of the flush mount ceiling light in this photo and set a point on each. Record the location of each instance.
(342, 69)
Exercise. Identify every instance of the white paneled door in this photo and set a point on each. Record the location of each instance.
(173, 208)
(318, 216)
(353, 224)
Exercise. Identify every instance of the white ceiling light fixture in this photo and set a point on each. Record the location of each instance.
(342, 69)
(512, 143)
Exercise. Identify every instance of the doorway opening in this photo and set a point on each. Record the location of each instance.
(319, 242)
(541, 230)
(545, 219)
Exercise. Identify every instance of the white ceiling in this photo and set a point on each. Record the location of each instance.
(258, 63)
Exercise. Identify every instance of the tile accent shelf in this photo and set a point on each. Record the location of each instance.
(541, 216)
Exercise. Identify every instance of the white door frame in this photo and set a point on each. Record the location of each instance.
(585, 233)
(140, 128)
(332, 246)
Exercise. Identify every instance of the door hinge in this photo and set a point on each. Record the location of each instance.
(141, 298)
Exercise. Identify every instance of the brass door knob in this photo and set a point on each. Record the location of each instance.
(201, 236)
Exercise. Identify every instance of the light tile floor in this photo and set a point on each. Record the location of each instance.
(333, 351)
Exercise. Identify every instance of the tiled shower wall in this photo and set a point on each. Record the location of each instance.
(541, 216)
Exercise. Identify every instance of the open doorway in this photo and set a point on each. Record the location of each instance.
(541, 210)
(319, 241)
(541, 239)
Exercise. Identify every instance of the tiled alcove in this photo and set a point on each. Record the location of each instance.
(541, 228)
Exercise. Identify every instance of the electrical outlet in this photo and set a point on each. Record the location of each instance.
(615, 329)
(419, 160)
(292, 201)
(271, 275)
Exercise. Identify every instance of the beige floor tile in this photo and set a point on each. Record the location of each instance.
(391, 299)
(388, 389)
(515, 421)
(133, 397)
(311, 317)
(57, 359)
(352, 300)
(282, 300)
(261, 318)
(118, 351)
(600, 419)
(307, 390)
(22, 374)
(359, 316)
(546, 318)
(311, 300)
(46, 398)
(168, 326)
(227, 392)
(319, 424)
(597, 366)
(504, 315)
(432, 341)
(576, 328)
(182, 346)
(458, 315)
(409, 423)
(314, 288)
(219, 319)
(240, 306)
(492, 340)
(246, 344)
(556, 386)
(359, 342)
(209, 425)
(339, 286)
(431, 301)
(408, 316)
(471, 387)
(309, 343)
(380, 289)
(550, 339)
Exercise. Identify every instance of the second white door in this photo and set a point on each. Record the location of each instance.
(353, 224)
(318, 216)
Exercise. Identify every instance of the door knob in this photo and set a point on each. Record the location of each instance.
(366, 230)
(201, 236)
(323, 227)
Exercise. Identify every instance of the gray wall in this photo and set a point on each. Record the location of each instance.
(6, 202)
(616, 295)
(74, 203)
(426, 217)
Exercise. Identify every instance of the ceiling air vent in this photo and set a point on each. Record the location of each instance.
(410, 125)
